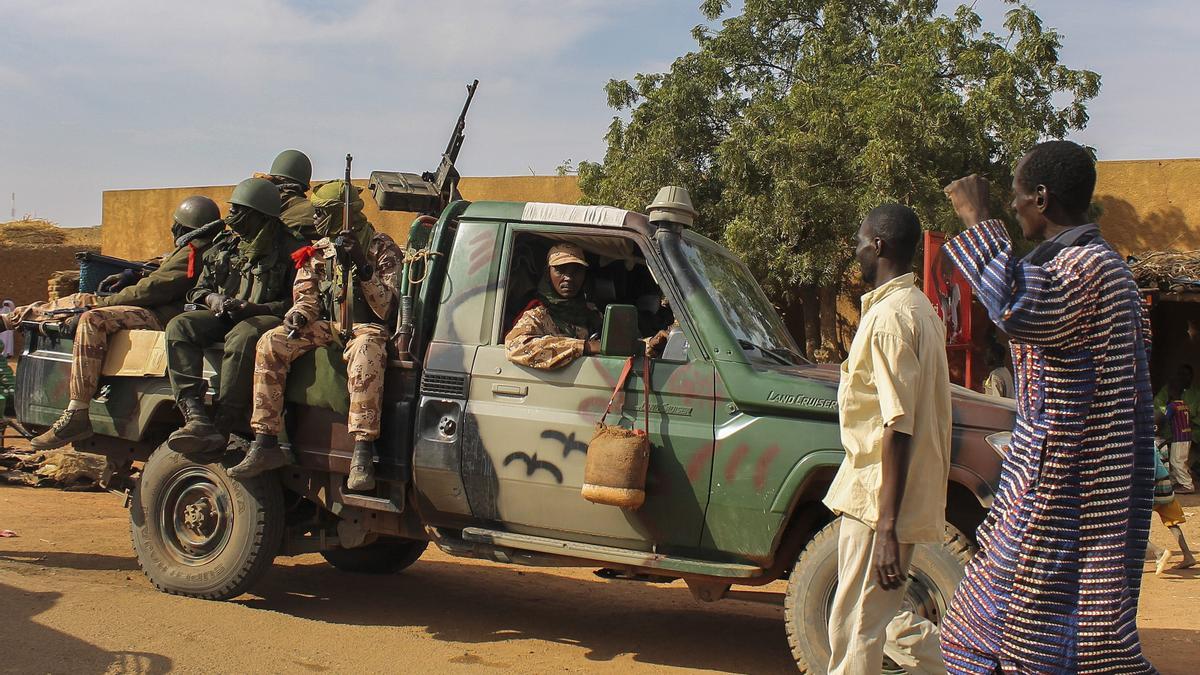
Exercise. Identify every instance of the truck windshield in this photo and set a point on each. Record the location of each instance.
(743, 304)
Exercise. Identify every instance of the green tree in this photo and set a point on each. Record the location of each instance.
(794, 118)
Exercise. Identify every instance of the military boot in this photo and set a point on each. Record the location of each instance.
(73, 425)
(362, 467)
(264, 455)
(230, 421)
(198, 435)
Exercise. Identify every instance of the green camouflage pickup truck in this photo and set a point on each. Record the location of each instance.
(485, 458)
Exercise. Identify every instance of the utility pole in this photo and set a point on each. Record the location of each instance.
(13, 216)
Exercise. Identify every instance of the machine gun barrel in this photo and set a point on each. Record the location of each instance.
(456, 136)
(445, 179)
(429, 192)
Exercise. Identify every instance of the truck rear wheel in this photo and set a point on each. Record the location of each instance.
(197, 532)
(933, 576)
(386, 556)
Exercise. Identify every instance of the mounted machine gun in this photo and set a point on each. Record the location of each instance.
(427, 195)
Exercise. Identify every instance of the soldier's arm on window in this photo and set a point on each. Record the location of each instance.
(533, 344)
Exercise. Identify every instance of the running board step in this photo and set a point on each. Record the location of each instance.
(620, 556)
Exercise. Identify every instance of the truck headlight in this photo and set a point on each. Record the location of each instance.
(1001, 442)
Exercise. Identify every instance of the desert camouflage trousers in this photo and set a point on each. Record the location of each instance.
(366, 359)
(91, 337)
(40, 311)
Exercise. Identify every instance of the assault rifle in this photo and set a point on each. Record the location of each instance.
(344, 259)
(429, 192)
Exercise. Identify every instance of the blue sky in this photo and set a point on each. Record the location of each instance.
(142, 93)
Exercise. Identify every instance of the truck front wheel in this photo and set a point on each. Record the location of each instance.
(385, 556)
(197, 532)
(933, 576)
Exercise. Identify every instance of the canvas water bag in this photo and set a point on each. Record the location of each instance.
(618, 458)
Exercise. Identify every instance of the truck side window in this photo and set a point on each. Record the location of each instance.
(616, 273)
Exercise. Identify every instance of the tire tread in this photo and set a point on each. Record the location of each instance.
(268, 534)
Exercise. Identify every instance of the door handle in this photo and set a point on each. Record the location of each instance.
(509, 390)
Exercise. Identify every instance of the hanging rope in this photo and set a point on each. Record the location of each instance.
(422, 256)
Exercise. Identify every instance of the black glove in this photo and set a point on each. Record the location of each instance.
(115, 282)
(232, 307)
(67, 327)
(349, 247)
(215, 303)
(295, 321)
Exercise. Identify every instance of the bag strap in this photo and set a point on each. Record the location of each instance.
(617, 389)
(645, 391)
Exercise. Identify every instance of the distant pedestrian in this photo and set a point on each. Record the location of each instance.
(1054, 587)
(1178, 412)
(1166, 505)
(6, 336)
(894, 399)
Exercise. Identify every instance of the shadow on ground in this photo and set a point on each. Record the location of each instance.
(72, 561)
(1171, 650)
(473, 604)
(30, 647)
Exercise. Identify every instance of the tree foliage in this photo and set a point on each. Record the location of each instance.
(791, 120)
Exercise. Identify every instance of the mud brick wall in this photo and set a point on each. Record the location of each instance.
(136, 223)
(25, 270)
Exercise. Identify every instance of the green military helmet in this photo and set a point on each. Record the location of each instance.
(293, 164)
(674, 204)
(196, 211)
(259, 194)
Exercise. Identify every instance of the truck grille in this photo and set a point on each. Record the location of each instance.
(445, 385)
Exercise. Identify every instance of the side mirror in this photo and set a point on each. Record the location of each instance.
(619, 336)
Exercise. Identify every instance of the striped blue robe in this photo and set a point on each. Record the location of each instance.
(1054, 588)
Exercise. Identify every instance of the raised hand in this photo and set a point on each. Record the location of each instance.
(969, 197)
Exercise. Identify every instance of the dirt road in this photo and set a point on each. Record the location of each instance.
(73, 600)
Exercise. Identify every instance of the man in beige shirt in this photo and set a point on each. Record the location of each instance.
(894, 401)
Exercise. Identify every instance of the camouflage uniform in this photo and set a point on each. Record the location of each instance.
(297, 212)
(372, 304)
(536, 340)
(232, 269)
(148, 304)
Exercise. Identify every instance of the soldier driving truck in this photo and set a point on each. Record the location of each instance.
(486, 458)
(560, 325)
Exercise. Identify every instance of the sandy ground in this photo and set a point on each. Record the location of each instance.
(72, 599)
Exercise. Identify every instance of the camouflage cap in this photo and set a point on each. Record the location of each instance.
(331, 193)
(565, 254)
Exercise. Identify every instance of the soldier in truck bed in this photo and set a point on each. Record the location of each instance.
(314, 321)
(291, 172)
(148, 303)
(560, 325)
(244, 288)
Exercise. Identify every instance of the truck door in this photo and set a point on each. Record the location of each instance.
(531, 427)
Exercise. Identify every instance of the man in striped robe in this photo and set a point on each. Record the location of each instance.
(1054, 588)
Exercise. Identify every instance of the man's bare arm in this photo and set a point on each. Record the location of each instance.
(893, 475)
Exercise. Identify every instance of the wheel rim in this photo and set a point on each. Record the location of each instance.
(195, 516)
(921, 597)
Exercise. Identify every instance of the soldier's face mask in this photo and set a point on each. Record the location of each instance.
(326, 223)
(244, 221)
(178, 231)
